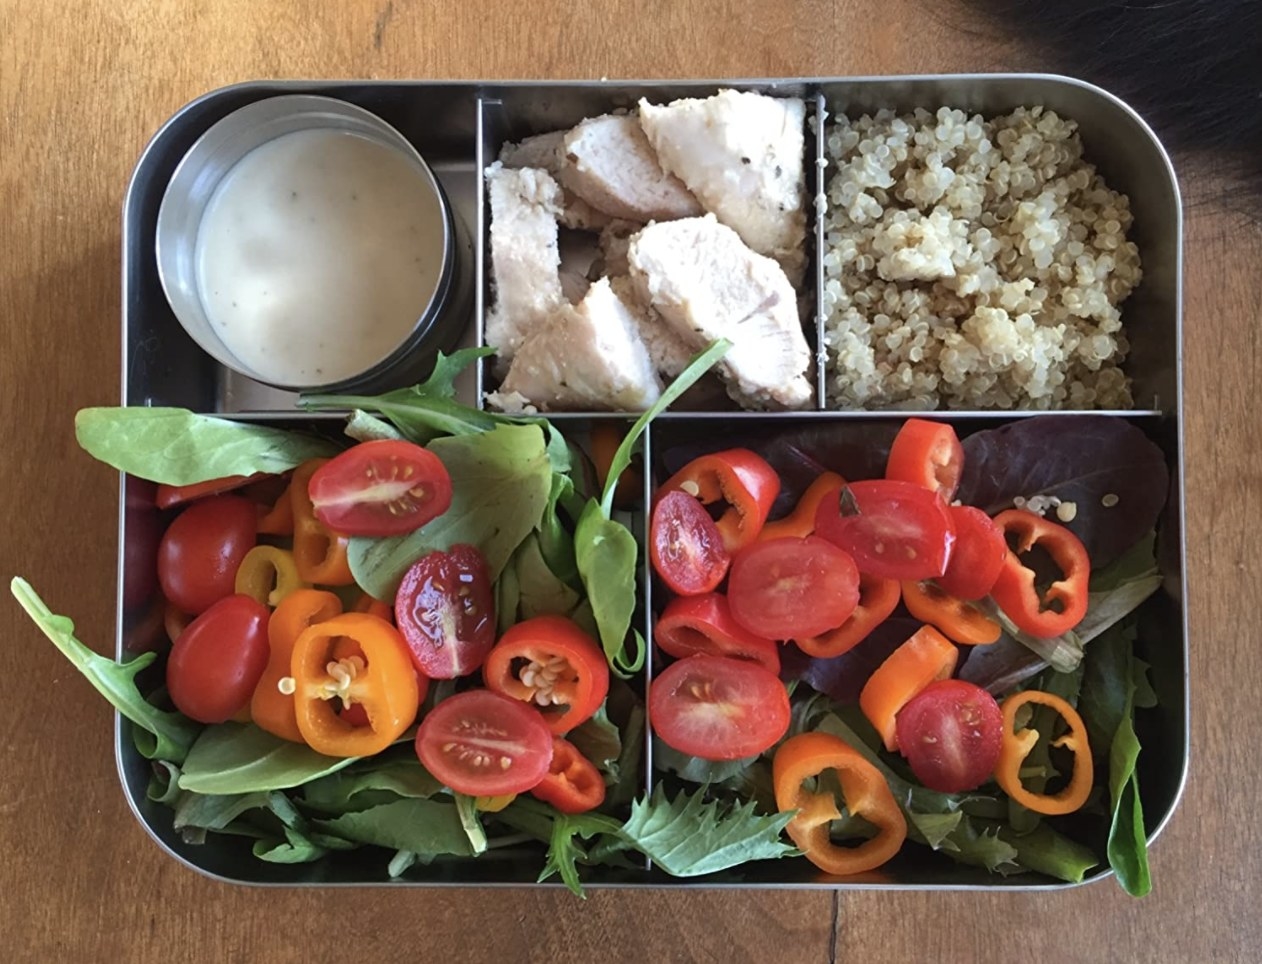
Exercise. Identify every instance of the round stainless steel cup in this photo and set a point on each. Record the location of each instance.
(215, 153)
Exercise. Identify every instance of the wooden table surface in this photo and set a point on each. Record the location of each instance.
(84, 85)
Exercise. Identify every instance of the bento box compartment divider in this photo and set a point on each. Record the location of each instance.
(817, 185)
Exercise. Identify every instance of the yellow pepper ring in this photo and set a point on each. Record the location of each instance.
(268, 574)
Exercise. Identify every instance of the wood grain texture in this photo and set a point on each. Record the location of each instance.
(84, 85)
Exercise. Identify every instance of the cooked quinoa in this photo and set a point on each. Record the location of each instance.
(973, 263)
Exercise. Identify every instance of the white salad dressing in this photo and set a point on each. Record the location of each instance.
(316, 255)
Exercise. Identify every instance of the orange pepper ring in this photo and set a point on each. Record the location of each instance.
(865, 792)
(1017, 745)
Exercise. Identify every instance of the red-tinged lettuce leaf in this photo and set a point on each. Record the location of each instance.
(1000, 666)
(842, 677)
(1080, 459)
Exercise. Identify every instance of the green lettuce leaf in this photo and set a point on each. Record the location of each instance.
(688, 837)
(177, 447)
(363, 784)
(165, 736)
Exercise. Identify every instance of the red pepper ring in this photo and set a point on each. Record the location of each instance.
(572, 784)
(704, 624)
(552, 664)
(1015, 592)
(740, 478)
(877, 599)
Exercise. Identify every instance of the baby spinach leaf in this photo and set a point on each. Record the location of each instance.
(166, 736)
(688, 837)
(238, 758)
(214, 811)
(164, 785)
(177, 447)
(500, 484)
(1080, 459)
(421, 826)
(541, 592)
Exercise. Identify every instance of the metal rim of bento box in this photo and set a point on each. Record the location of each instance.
(1177, 489)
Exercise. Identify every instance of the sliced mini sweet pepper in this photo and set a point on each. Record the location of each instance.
(704, 624)
(550, 662)
(271, 708)
(382, 679)
(174, 620)
(960, 621)
(268, 574)
(1063, 605)
(865, 792)
(925, 657)
(738, 477)
(801, 521)
(877, 599)
(573, 784)
(168, 496)
(279, 519)
(319, 553)
(374, 607)
(1017, 745)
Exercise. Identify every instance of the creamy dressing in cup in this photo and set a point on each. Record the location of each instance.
(316, 255)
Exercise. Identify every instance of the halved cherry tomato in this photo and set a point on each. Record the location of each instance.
(704, 624)
(977, 555)
(877, 599)
(801, 521)
(738, 477)
(445, 610)
(169, 496)
(551, 662)
(485, 744)
(572, 783)
(381, 488)
(685, 545)
(927, 454)
(958, 620)
(718, 708)
(217, 661)
(925, 657)
(895, 530)
(201, 550)
(950, 733)
(790, 588)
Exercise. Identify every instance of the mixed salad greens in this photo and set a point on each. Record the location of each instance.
(544, 522)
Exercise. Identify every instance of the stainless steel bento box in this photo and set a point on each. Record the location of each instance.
(458, 128)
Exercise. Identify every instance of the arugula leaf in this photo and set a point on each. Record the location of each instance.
(296, 848)
(421, 826)
(606, 554)
(564, 853)
(425, 411)
(177, 447)
(363, 427)
(169, 735)
(347, 789)
(500, 484)
(693, 768)
(239, 758)
(605, 550)
(471, 821)
(1048, 852)
(935, 829)
(1114, 683)
(979, 843)
(687, 837)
